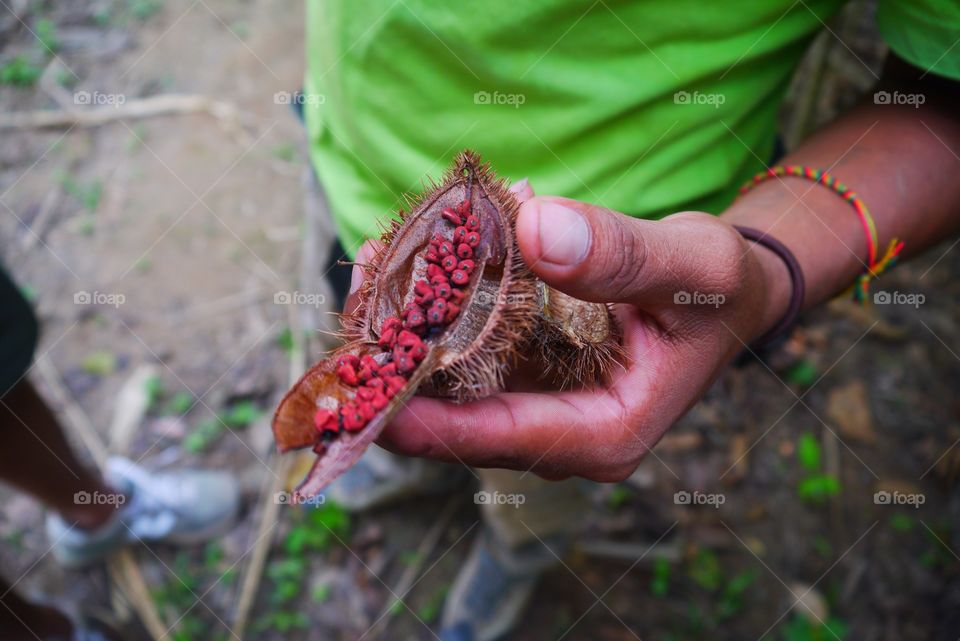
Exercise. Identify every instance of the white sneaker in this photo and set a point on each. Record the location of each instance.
(180, 506)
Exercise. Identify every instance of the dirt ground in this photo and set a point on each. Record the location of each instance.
(155, 249)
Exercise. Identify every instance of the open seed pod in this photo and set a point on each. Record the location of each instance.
(447, 305)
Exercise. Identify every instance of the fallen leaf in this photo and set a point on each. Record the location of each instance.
(849, 408)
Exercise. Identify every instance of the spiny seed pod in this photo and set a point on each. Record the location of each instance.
(446, 307)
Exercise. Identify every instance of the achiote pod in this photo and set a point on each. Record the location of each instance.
(447, 307)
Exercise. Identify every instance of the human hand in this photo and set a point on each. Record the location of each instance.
(689, 291)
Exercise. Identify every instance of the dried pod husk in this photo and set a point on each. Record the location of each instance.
(466, 357)
(501, 307)
(578, 343)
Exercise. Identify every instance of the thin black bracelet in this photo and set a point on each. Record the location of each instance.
(785, 324)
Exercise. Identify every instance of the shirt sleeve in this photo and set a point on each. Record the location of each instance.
(925, 33)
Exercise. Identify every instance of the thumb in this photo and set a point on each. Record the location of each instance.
(600, 255)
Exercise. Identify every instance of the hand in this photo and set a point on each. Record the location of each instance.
(689, 292)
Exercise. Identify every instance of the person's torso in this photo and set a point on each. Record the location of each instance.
(644, 107)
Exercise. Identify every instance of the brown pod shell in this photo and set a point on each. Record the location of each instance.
(579, 343)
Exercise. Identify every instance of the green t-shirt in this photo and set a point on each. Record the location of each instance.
(644, 107)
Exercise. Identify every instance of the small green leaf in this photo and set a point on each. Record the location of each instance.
(100, 363)
(808, 452)
(802, 374)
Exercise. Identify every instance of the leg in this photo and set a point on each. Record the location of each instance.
(37, 459)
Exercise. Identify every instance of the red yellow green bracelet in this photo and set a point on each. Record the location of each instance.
(875, 267)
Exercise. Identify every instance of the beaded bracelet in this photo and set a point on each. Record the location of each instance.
(875, 267)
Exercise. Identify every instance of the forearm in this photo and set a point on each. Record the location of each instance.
(901, 161)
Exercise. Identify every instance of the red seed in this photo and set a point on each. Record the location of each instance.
(394, 385)
(368, 361)
(464, 207)
(326, 420)
(440, 304)
(446, 248)
(391, 322)
(449, 263)
(460, 277)
(376, 383)
(418, 352)
(452, 312)
(464, 251)
(466, 266)
(347, 374)
(387, 372)
(407, 340)
(472, 238)
(452, 216)
(424, 299)
(367, 410)
(460, 234)
(416, 320)
(348, 359)
(472, 223)
(379, 401)
(411, 308)
(433, 270)
(366, 373)
(439, 278)
(435, 317)
(457, 296)
(422, 286)
(353, 420)
(432, 257)
(387, 338)
(366, 393)
(442, 290)
(405, 363)
(437, 238)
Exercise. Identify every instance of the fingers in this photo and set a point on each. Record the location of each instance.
(600, 255)
(367, 251)
(552, 435)
(522, 190)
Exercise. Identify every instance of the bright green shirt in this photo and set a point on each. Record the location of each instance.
(646, 107)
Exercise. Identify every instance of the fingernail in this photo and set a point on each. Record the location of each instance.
(356, 278)
(519, 186)
(564, 234)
